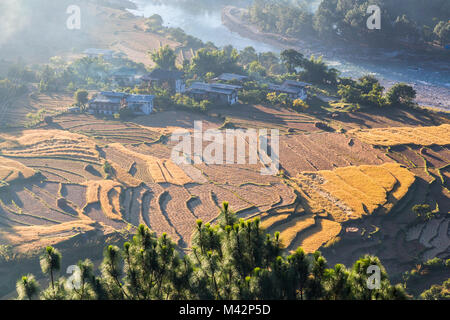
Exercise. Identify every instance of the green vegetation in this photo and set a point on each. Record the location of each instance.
(234, 259)
(107, 168)
(400, 93)
(215, 61)
(437, 292)
(367, 91)
(183, 101)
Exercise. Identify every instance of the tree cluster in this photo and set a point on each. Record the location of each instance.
(367, 91)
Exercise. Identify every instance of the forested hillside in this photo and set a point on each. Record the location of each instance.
(412, 21)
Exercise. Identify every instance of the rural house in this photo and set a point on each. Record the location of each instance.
(232, 77)
(109, 103)
(294, 89)
(97, 53)
(225, 93)
(173, 80)
(125, 77)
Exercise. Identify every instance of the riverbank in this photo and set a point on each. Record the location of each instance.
(389, 67)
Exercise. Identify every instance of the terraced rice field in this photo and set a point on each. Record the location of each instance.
(433, 236)
(352, 192)
(325, 151)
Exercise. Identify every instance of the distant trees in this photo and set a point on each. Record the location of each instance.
(247, 56)
(283, 16)
(233, 259)
(442, 32)
(404, 20)
(164, 58)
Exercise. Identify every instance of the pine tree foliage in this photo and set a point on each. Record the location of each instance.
(232, 259)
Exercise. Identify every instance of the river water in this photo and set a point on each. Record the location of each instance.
(431, 80)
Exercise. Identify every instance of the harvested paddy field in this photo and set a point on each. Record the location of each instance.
(325, 151)
(107, 131)
(259, 116)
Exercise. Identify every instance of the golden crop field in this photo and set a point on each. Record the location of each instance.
(352, 192)
(424, 136)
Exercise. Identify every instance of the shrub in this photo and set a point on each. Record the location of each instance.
(107, 168)
(401, 93)
(185, 101)
(300, 105)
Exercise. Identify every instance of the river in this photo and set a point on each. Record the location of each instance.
(430, 79)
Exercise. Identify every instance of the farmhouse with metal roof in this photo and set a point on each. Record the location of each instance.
(232, 77)
(109, 103)
(225, 93)
(294, 89)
